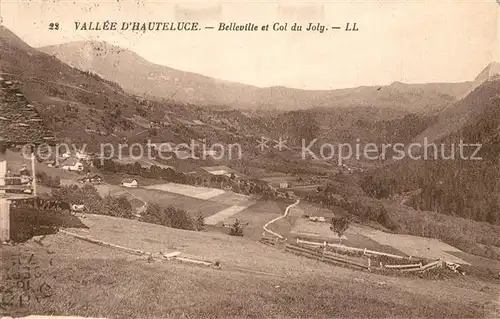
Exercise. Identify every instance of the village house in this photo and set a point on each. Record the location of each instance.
(72, 164)
(129, 182)
(91, 179)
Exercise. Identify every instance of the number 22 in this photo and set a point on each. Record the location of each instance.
(54, 26)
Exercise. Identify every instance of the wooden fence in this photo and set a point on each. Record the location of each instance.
(348, 248)
(328, 256)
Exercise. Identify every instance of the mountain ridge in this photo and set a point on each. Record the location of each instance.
(164, 82)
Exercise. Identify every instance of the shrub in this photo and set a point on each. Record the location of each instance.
(179, 218)
(47, 180)
(118, 207)
(172, 217)
(26, 222)
(236, 229)
(154, 215)
(199, 222)
(95, 204)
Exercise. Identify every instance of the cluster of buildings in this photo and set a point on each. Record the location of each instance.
(71, 162)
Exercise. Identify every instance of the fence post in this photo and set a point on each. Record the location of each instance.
(33, 172)
(4, 219)
(297, 241)
(369, 263)
(364, 252)
(4, 203)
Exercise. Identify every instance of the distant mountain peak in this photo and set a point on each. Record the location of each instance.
(492, 70)
(8, 38)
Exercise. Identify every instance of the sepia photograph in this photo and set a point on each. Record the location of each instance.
(260, 159)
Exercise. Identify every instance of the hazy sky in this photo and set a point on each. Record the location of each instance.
(407, 40)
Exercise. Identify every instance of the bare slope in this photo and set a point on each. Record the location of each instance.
(100, 282)
(77, 106)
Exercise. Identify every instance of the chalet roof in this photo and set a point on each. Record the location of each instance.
(128, 180)
(20, 123)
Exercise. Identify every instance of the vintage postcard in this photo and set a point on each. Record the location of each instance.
(249, 159)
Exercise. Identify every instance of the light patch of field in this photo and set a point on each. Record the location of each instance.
(238, 203)
(223, 214)
(231, 198)
(188, 190)
(413, 245)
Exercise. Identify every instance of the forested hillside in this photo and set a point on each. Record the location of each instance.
(453, 183)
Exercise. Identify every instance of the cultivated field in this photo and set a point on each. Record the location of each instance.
(366, 237)
(187, 190)
(190, 204)
(215, 209)
(254, 281)
(230, 203)
(222, 215)
(412, 245)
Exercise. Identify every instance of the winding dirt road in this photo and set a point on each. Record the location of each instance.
(287, 210)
